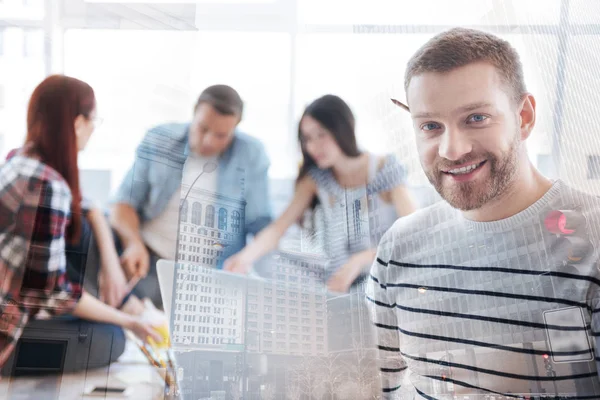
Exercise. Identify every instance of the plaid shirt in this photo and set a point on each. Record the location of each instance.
(35, 207)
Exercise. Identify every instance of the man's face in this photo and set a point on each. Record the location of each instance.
(468, 133)
(211, 132)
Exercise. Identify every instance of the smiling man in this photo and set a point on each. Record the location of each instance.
(495, 289)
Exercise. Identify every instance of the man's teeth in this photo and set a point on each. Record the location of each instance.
(463, 170)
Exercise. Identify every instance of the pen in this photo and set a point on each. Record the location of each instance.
(169, 377)
(151, 359)
(400, 104)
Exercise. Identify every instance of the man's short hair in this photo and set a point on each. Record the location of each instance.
(458, 47)
(223, 98)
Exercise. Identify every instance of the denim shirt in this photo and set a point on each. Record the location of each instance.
(157, 171)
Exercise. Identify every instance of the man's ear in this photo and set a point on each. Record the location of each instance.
(527, 116)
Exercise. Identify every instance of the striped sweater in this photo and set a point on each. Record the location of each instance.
(478, 309)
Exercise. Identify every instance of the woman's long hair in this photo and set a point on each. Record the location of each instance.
(336, 116)
(53, 108)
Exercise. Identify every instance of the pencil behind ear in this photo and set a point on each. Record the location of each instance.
(400, 104)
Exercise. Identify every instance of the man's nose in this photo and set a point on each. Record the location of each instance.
(208, 141)
(454, 144)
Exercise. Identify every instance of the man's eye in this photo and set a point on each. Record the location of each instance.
(477, 118)
(430, 126)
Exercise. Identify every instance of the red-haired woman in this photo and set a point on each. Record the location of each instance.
(40, 212)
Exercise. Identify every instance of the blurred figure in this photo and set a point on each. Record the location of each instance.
(145, 210)
(339, 177)
(40, 212)
(96, 255)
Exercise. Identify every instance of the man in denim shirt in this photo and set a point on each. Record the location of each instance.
(145, 210)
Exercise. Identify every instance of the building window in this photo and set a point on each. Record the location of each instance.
(222, 219)
(593, 167)
(184, 210)
(209, 218)
(357, 208)
(196, 213)
(235, 222)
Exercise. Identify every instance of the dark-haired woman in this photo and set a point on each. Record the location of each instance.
(352, 188)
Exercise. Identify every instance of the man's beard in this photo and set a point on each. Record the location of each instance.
(473, 195)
